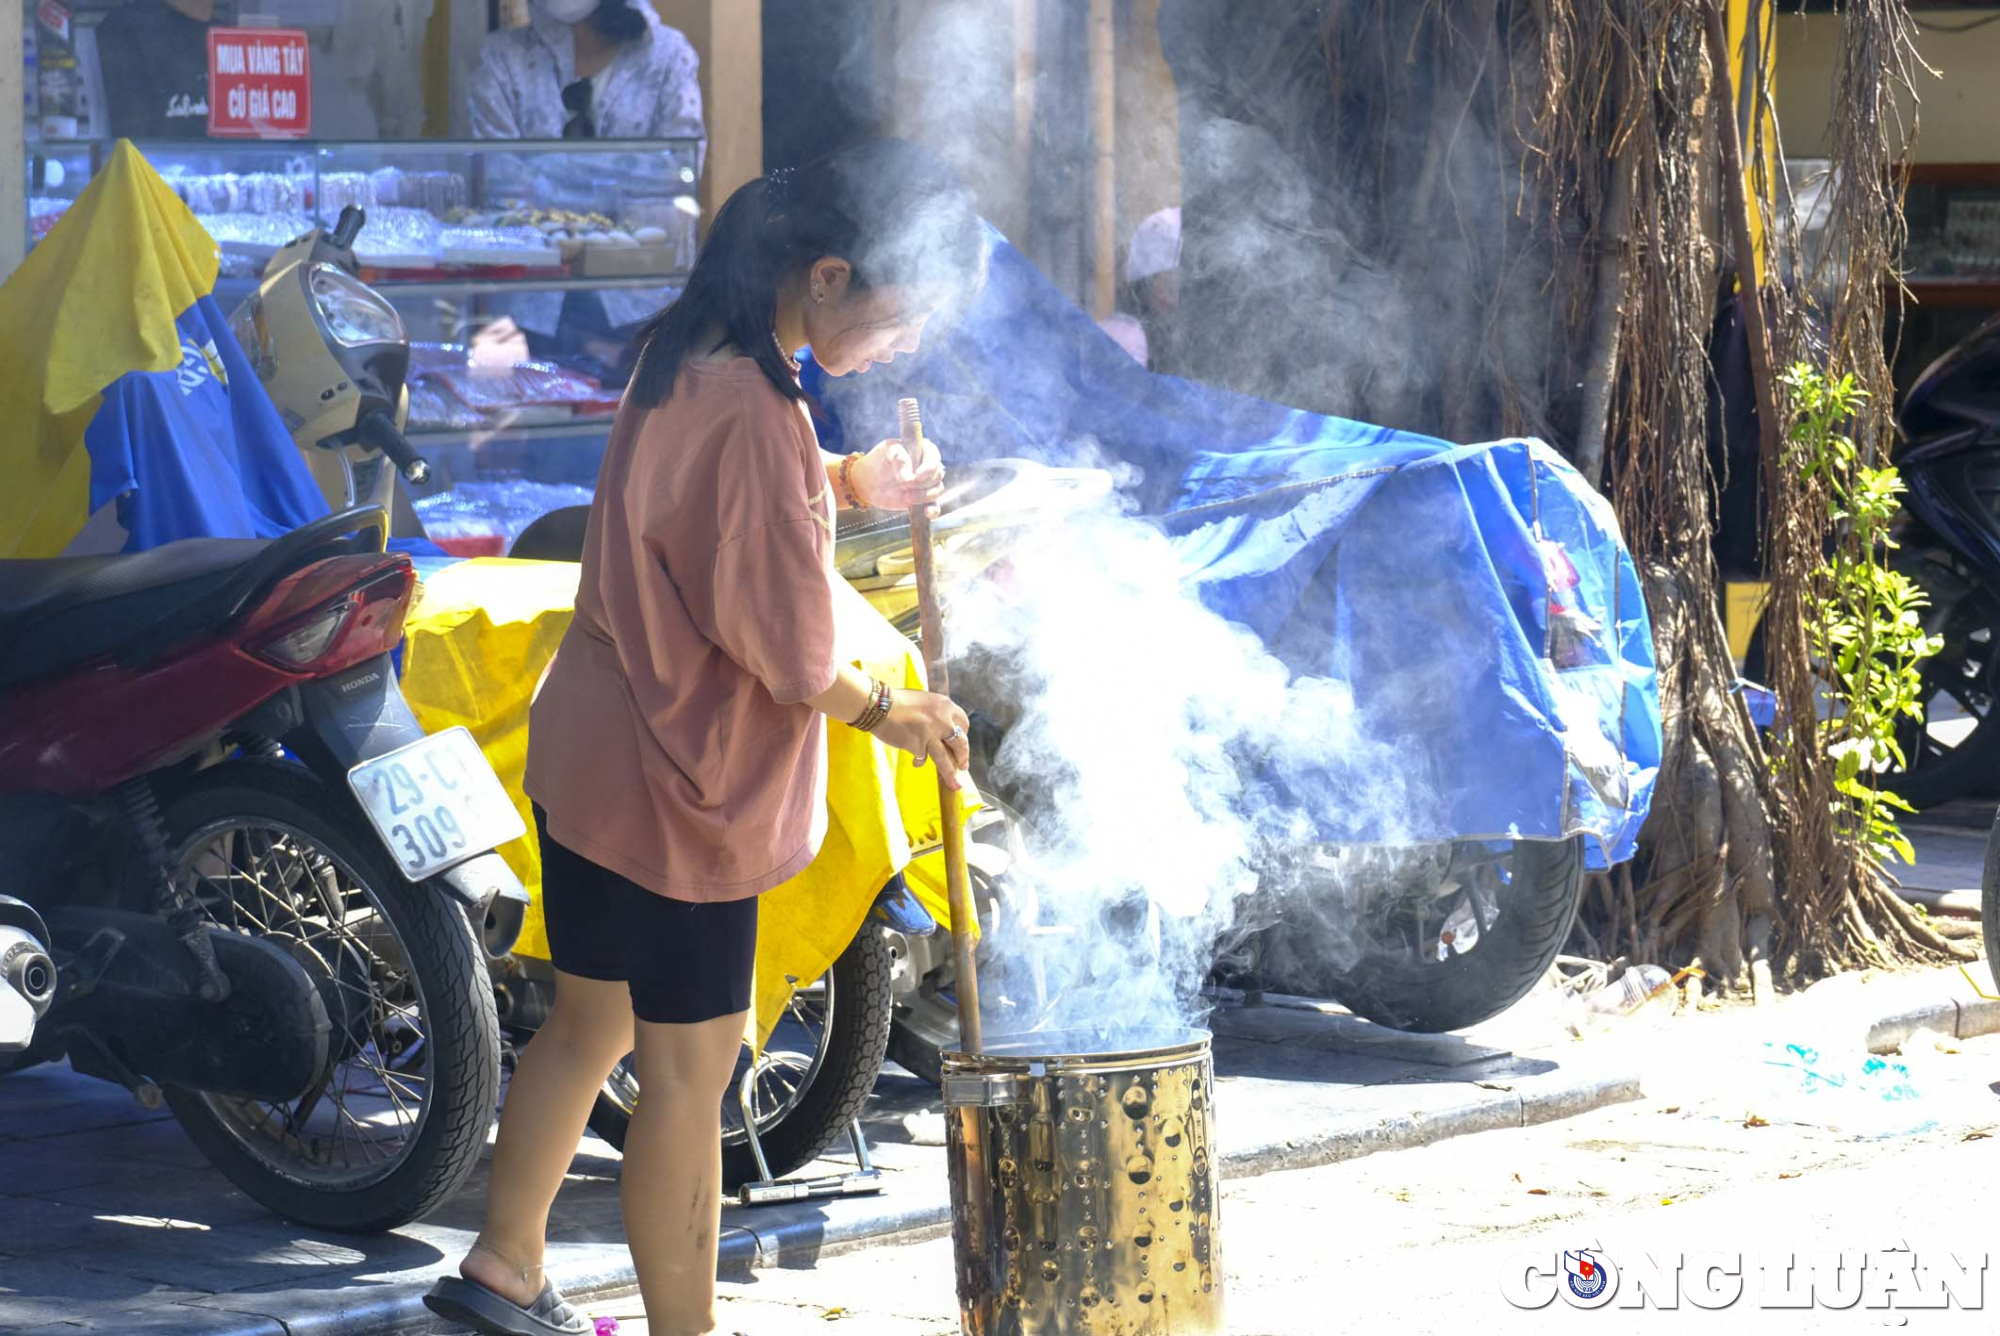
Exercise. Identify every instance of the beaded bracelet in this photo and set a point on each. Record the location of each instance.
(847, 482)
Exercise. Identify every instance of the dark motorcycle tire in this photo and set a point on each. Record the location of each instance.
(856, 1044)
(463, 1034)
(1405, 993)
(1989, 900)
(1970, 767)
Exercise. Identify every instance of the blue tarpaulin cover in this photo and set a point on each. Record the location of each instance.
(1478, 597)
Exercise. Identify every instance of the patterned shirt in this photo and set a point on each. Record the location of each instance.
(650, 90)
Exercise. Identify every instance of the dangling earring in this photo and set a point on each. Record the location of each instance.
(819, 295)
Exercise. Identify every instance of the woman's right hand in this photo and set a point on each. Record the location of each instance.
(929, 727)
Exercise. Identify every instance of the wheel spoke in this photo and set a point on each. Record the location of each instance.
(363, 1118)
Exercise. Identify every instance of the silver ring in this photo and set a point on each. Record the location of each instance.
(954, 735)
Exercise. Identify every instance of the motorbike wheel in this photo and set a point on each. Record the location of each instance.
(400, 1118)
(1955, 749)
(812, 1079)
(1989, 900)
(1401, 984)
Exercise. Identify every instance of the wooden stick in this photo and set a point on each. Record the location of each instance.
(957, 883)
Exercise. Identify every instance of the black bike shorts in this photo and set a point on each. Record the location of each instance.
(684, 962)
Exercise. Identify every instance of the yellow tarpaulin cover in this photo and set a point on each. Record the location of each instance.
(478, 641)
(95, 300)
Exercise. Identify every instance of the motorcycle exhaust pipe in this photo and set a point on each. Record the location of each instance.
(26, 967)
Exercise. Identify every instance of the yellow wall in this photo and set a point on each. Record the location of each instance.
(1959, 109)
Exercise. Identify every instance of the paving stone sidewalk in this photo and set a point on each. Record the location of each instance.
(111, 1221)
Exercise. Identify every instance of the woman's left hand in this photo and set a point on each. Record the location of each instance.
(886, 478)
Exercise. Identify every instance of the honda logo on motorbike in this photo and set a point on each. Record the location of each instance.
(354, 684)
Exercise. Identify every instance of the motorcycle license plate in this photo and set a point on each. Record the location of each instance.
(436, 803)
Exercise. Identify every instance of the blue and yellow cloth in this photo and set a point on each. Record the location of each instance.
(120, 382)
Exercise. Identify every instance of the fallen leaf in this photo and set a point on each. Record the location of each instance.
(1671, 1108)
(1517, 1178)
(1756, 1120)
(1666, 1201)
(834, 1314)
(1492, 1085)
(1538, 1192)
(1793, 1174)
(1401, 1194)
(1977, 1135)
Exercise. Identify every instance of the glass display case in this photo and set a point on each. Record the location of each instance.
(1953, 211)
(1952, 262)
(520, 270)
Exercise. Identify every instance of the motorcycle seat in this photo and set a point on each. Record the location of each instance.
(61, 611)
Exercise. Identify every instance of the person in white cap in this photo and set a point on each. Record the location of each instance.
(1152, 284)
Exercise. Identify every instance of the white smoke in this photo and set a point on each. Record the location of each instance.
(1141, 730)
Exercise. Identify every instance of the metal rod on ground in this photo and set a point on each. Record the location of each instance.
(957, 883)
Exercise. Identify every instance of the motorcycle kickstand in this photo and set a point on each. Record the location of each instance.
(767, 1191)
(107, 1063)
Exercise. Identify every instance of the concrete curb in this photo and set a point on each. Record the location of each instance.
(1960, 904)
(1961, 1018)
(1530, 1100)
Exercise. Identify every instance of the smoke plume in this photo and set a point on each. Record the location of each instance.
(1171, 769)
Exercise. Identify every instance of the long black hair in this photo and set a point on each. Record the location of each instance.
(617, 21)
(895, 212)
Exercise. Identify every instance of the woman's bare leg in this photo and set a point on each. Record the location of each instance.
(548, 1103)
(672, 1177)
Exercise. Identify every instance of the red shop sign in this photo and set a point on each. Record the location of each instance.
(259, 83)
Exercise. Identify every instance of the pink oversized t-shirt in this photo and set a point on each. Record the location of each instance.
(670, 742)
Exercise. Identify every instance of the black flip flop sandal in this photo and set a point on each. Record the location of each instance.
(471, 1304)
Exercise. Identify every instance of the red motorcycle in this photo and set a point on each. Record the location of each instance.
(269, 895)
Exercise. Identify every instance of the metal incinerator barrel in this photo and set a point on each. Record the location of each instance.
(1083, 1185)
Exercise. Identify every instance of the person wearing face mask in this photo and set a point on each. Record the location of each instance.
(587, 69)
(677, 749)
(581, 69)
